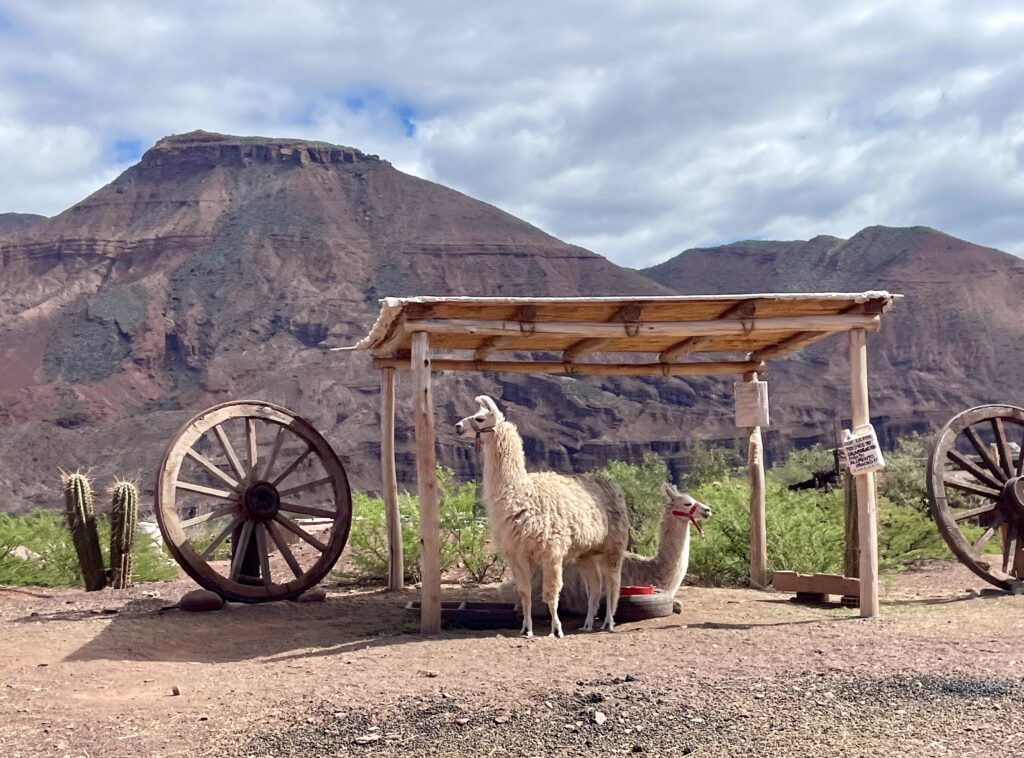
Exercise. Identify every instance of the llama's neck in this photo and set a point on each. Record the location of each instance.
(505, 480)
(672, 560)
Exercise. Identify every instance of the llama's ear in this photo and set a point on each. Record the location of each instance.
(669, 489)
(486, 403)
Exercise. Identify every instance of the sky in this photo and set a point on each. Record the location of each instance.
(636, 129)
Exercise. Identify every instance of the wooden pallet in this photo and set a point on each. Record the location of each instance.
(816, 588)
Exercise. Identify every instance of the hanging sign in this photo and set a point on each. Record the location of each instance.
(751, 403)
(861, 451)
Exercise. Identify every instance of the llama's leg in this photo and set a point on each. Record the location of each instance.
(552, 588)
(612, 579)
(591, 576)
(522, 575)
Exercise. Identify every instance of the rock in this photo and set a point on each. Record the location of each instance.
(175, 691)
(201, 600)
(366, 739)
(315, 595)
(599, 718)
(502, 719)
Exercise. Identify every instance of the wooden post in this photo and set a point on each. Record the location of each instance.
(389, 480)
(758, 526)
(426, 476)
(851, 554)
(867, 526)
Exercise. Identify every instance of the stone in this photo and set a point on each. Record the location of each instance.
(201, 600)
(315, 595)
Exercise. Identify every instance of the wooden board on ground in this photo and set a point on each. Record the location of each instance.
(816, 584)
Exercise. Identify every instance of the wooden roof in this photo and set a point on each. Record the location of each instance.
(580, 335)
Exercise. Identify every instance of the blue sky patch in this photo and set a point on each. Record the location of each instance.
(127, 150)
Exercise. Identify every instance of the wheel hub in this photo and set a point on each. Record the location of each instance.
(261, 500)
(1013, 495)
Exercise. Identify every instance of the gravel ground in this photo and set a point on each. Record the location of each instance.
(919, 715)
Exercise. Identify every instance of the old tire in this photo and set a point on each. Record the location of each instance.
(640, 607)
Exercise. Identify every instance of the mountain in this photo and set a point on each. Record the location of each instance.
(219, 267)
(12, 222)
(954, 340)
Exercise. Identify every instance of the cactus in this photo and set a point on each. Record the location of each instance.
(124, 518)
(82, 523)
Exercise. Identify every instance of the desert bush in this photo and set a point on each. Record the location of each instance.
(464, 532)
(801, 464)
(707, 464)
(903, 481)
(641, 484)
(52, 560)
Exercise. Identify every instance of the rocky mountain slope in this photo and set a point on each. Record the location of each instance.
(220, 267)
(10, 222)
(953, 341)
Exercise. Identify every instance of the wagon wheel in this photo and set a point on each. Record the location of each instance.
(252, 502)
(976, 489)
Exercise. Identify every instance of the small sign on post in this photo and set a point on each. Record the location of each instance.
(861, 451)
(751, 404)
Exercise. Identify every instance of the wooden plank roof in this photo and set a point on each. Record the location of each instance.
(494, 333)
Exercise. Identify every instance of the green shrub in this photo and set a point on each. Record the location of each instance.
(464, 532)
(801, 464)
(706, 465)
(645, 503)
(903, 480)
(53, 561)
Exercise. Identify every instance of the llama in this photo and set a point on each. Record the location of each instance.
(545, 519)
(666, 570)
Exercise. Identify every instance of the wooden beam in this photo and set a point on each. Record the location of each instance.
(490, 345)
(758, 523)
(817, 584)
(389, 480)
(582, 348)
(681, 329)
(745, 309)
(426, 476)
(709, 368)
(802, 339)
(867, 525)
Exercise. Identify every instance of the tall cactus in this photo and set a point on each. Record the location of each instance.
(82, 523)
(124, 518)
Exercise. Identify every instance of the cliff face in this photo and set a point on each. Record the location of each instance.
(218, 268)
(954, 340)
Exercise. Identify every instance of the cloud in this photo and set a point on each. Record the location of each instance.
(636, 129)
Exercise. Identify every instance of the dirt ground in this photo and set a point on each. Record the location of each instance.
(739, 672)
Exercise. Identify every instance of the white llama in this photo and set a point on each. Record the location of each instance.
(665, 570)
(544, 519)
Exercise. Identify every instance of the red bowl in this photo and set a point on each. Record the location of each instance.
(634, 589)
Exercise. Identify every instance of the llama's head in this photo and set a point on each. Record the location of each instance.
(683, 505)
(487, 417)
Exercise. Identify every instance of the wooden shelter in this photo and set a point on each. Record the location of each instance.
(635, 336)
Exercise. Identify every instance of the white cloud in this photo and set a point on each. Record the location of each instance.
(636, 129)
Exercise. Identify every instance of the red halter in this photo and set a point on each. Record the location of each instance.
(689, 515)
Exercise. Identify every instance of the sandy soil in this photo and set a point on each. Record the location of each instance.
(739, 672)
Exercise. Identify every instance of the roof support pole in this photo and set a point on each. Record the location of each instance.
(758, 523)
(389, 479)
(426, 476)
(867, 526)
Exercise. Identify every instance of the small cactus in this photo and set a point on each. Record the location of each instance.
(124, 518)
(82, 523)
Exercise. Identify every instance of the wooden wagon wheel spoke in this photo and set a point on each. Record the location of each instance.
(261, 549)
(225, 511)
(986, 456)
(301, 533)
(988, 534)
(1009, 546)
(223, 535)
(283, 548)
(229, 451)
(974, 489)
(274, 451)
(971, 467)
(204, 490)
(240, 549)
(294, 465)
(964, 515)
(991, 472)
(1003, 447)
(251, 448)
(306, 510)
(251, 502)
(207, 464)
(307, 486)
